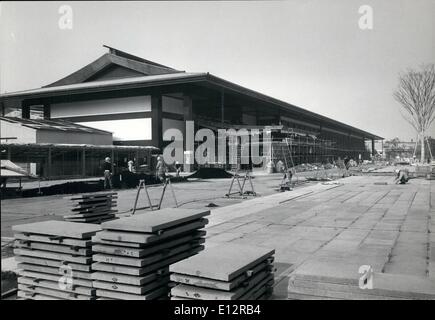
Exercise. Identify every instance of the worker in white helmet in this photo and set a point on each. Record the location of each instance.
(107, 168)
(177, 168)
(160, 169)
(130, 165)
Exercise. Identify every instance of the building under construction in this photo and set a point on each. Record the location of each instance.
(136, 100)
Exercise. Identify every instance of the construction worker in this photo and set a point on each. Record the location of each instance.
(177, 168)
(286, 181)
(130, 165)
(280, 166)
(347, 162)
(107, 168)
(401, 176)
(160, 169)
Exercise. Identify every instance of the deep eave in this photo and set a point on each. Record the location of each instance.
(107, 85)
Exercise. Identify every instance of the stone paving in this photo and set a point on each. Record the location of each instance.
(359, 223)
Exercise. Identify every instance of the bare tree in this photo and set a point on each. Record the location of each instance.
(416, 94)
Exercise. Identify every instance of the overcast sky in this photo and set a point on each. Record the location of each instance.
(309, 53)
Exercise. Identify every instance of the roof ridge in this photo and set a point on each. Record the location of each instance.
(127, 55)
(113, 57)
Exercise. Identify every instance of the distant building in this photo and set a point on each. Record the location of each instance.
(406, 150)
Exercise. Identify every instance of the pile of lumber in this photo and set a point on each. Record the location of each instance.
(54, 260)
(332, 281)
(224, 272)
(132, 254)
(93, 207)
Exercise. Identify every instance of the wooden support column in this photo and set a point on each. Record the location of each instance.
(188, 116)
(83, 162)
(112, 157)
(49, 163)
(222, 107)
(373, 147)
(25, 111)
(301, 159)
(47, 111)
(156, 121)
(187, 108)
(149, 158)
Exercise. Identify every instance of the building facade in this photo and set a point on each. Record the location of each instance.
(137, 100)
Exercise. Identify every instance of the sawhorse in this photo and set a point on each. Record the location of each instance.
(151, 206)
(241, 191)
(167, 182)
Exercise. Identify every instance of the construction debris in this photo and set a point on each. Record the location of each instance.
(224, 272)
(210, 173)
(54, 260)
(93, 208)
(212, 205)
(132, 255)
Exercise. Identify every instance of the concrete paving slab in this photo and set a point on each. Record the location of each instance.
(250, 227)
(224, 237)
(224, 262)
(59, 228)
(305, 246)
(407, 265)
(144, 238)
(155, 221)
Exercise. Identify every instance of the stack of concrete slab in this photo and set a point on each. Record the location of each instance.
(326, 281)
(225, 272)
(93, 207)
(54, 260)
(132, 254)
